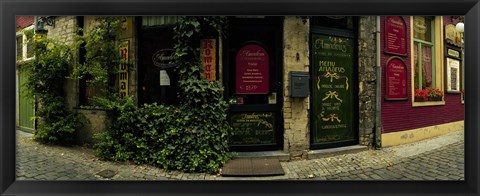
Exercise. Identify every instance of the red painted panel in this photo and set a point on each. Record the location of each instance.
(395, 35)
(252, 70)
(400, 115)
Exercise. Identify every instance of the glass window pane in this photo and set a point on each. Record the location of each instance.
(19, 48)
(415, 60)
(422, 28)
(29, 46)
(427, 70)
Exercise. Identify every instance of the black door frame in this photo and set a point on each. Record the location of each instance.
(353, 34)
(277, 56)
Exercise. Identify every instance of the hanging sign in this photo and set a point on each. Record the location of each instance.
(452, 36)
(164, 58)
(396, 79)
(252, 73)
(123, 70)
(207, 57)
(395, 35)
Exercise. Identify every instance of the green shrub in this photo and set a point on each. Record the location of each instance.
(47, 73)
(183, 138)
(192, 137)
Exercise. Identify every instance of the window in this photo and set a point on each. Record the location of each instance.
(24, 44)
(427, 72)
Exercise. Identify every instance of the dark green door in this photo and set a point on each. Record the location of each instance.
(25, 106)
(333, 88)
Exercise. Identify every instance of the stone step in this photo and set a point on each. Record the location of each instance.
(280, 155)
(323, 153)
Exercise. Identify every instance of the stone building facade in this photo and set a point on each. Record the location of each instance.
(290, 44)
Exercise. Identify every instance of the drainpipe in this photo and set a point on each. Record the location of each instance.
(378, 95)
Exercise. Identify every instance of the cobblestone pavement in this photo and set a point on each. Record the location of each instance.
(440, 158)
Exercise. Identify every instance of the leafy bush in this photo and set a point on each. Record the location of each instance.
(47, 73)
(187, 138)
(192, 137)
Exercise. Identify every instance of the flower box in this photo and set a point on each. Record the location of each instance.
(435, 98)
(420, 99)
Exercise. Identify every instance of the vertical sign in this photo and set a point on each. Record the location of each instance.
(396, 79)
(395, 35)
(332, 72)
(123, 70)
(453, 75)
(252, 73)
(207, 57)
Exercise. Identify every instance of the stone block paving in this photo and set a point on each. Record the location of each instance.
(440, 158)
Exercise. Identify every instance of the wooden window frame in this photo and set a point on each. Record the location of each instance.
(437, 60)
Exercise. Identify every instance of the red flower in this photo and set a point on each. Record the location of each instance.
(421, 93)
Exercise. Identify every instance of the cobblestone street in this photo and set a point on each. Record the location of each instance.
(440, 158)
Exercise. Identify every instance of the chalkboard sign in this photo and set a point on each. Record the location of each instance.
(332, 88)
(253, 128)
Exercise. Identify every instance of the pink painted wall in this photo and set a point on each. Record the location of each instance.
(400, 115)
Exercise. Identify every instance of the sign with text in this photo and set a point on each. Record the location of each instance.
(395, 35)
(452, 36)
(123, 69)
(164, 58)
(453, 75)
(396, 79)
(252, 70)
(207, 57)
(253, 128)
(332, 93)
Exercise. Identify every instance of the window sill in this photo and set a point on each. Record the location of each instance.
(428, 103)
(24, 61)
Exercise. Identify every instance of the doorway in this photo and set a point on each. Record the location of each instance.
(334, 83)
(253, 82)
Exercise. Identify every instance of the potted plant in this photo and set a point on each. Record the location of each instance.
(434, 94)
(420, 95)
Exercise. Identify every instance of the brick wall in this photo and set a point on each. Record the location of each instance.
(400, 115)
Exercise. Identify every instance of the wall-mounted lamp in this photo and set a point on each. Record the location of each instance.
(40, 22)
(460, 27)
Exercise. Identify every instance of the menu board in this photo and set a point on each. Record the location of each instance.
(332, 72)
(253, 128)
(395, 35)
(396, 79)
(453, 75)
(252, 73)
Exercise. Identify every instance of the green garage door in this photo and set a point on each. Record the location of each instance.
(26, 106)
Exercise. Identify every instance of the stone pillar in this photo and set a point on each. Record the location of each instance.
(296, 58)
(367, 79)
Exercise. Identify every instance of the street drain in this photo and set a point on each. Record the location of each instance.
(107, 173)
